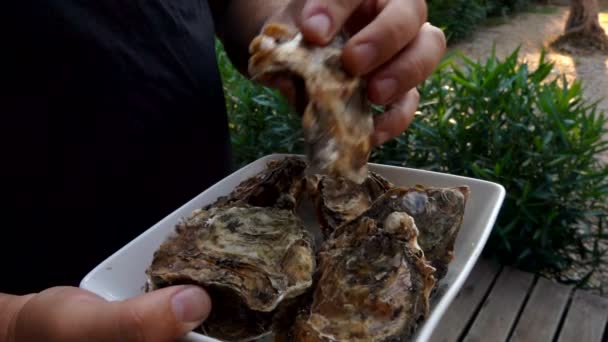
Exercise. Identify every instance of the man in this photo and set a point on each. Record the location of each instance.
(113, 116)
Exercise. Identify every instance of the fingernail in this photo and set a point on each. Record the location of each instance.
(385, 89)
(191, 304)
(364, 56)
(320, 24)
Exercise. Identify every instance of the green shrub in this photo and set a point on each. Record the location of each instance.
(538, 137)
(261, 121)
(505, 7)
(459, 18)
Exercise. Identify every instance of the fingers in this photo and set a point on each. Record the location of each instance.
(397, 119)
(396, 25)
(408, 68)
(11, 306)
(362, 16)
(53, 316)
(71, 314)
(322, 19)
(161, 315)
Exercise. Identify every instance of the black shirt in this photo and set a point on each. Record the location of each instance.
(111, 116)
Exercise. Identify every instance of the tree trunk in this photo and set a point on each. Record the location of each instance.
(583, 30)
(584, 18)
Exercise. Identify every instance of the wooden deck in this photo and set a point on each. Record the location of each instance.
(503, 304)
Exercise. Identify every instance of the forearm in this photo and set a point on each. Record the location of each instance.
(239, 22)
(9, 308)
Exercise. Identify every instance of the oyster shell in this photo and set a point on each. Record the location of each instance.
(251, 258)
(280, 185)
(338, 120)
(438, 214)
(374, 282)
(338, 200)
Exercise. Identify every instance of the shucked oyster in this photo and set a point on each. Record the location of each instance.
(337, 121)
(438, 213)
(338, 200)
(374, 282)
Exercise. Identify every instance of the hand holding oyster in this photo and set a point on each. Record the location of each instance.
(383, 250)
(338, 120)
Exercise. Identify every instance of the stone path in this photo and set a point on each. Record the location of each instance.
(533, 31)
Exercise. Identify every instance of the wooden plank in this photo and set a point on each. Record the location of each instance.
(500, 310)
(542, 313)
(586, 318)
(469, 298)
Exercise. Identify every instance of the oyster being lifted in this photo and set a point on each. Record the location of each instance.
(338, 120)
(251, 259)
(338, 200)
(374, 282)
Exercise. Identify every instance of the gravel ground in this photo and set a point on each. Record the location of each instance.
(533, 31)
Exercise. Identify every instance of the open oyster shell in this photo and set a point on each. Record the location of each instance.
(338, 120)
(374, 283)
(438, 213)
(338, 200)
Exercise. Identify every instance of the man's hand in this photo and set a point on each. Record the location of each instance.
(391, 46)
(72, 314)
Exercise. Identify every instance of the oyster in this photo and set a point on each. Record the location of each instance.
(338, 120)
(438, 214)
(279, 185)
(338, 200)
(374, 282)
(252, 259)
(249, 258)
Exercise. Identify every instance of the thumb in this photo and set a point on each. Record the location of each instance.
(72, 314)
(161, 315)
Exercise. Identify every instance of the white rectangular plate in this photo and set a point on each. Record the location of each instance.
(122, 276)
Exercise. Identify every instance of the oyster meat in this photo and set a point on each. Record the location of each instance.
(374, 282)
(250, 258)
(338, 200)
(338, 120)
